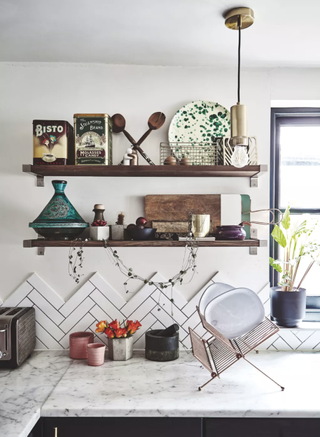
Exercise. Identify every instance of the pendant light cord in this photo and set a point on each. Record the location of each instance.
(239, 53)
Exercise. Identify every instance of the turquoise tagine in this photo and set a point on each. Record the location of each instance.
(59, 219)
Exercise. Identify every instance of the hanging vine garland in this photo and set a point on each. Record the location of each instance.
(188, 265)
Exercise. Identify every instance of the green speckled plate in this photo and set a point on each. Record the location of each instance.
(199, 121)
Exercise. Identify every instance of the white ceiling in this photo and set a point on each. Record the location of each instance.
(286, 33)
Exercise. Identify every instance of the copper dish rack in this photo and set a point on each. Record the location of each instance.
(218, 353)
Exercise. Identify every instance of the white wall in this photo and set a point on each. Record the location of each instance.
(54, 91)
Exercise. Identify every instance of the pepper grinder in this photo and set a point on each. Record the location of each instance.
(98, 210)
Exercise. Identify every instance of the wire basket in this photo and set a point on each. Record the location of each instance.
(196, 153)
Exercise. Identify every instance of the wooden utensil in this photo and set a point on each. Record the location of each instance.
(156, 120)
(118, 125)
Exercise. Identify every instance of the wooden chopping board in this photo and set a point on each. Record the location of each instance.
(177, 207)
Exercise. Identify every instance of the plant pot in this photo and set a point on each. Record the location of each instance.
(287, 308)
(120, 349)
(96, 352)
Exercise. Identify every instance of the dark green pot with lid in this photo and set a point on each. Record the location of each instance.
(59, 219)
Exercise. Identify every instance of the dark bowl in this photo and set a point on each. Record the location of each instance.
(141, 234)
(231, 232)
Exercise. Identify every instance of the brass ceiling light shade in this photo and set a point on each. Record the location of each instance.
(239, 19)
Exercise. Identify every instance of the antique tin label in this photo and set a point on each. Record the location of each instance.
(93, 139)
(53, 142)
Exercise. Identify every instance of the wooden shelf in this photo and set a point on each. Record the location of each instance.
(61, 171)
(148, 243)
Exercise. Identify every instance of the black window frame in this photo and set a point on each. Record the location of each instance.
(289, 116)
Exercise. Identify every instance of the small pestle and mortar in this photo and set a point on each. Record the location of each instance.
(163, 344)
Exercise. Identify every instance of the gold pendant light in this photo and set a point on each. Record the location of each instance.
(239, 19)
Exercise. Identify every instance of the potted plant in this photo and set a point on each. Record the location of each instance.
(120, 340)
(288, 299)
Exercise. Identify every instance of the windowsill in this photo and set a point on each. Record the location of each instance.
(304, 326)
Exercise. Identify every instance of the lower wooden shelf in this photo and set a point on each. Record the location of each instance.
(147, 243)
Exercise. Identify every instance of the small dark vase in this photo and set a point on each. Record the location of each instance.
(287, 308)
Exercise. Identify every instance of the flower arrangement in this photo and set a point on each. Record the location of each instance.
(114, 330)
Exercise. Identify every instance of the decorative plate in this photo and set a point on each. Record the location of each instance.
(199, 121)
(235, 312)
(211, 292)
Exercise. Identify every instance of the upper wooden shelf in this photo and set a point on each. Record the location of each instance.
(41, 242)
(250, 171)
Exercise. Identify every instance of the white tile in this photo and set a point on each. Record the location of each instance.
(46, 291)
(18, 295)
(140, 312)
(166, 319)
(170, 309)
(75, 317)
(147, 322)
(264, 293)
(290, 338)
(46, 307)
(143, 294)
(40, 346)
(107, 306)
(48, 325)
(310, 342)
(99, 314)
(81, 326)
(191, 305)
(107, 290)
(46, 338)
(26, 303)
(303, 334)
(192, 321)
(281, 345)
(187, 342)
(78, 297)
(179, 300)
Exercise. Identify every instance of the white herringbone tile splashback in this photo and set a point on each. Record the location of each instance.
(97, 300)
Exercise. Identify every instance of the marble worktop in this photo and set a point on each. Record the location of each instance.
(23, 391)
(51, 385)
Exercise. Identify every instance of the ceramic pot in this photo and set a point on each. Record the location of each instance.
(120, 349)
(78, 342)
(231, 232)
(96, 352)
(59, 219)
(99, 232)
(287, 308)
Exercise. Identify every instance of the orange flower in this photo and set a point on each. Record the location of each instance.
(120, 332)
(114, 324)
(132, 327)
(101, 326)
(109, 333)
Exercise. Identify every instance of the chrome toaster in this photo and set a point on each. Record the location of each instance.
(17, 335)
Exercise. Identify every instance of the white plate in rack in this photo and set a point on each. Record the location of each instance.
(235, 312)
(211, 292)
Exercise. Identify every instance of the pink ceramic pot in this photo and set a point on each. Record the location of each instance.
(78, 342)
(96, 352)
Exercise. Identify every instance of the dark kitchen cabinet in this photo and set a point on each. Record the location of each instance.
(268, 427)
(121, 427)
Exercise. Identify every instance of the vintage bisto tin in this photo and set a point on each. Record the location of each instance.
(93, 139)
(53, 142)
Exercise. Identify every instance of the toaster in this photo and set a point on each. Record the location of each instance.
(17, 335)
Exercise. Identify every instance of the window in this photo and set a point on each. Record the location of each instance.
(295, 180)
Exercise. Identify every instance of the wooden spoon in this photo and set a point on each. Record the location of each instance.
(156, 120)
(118, 125)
